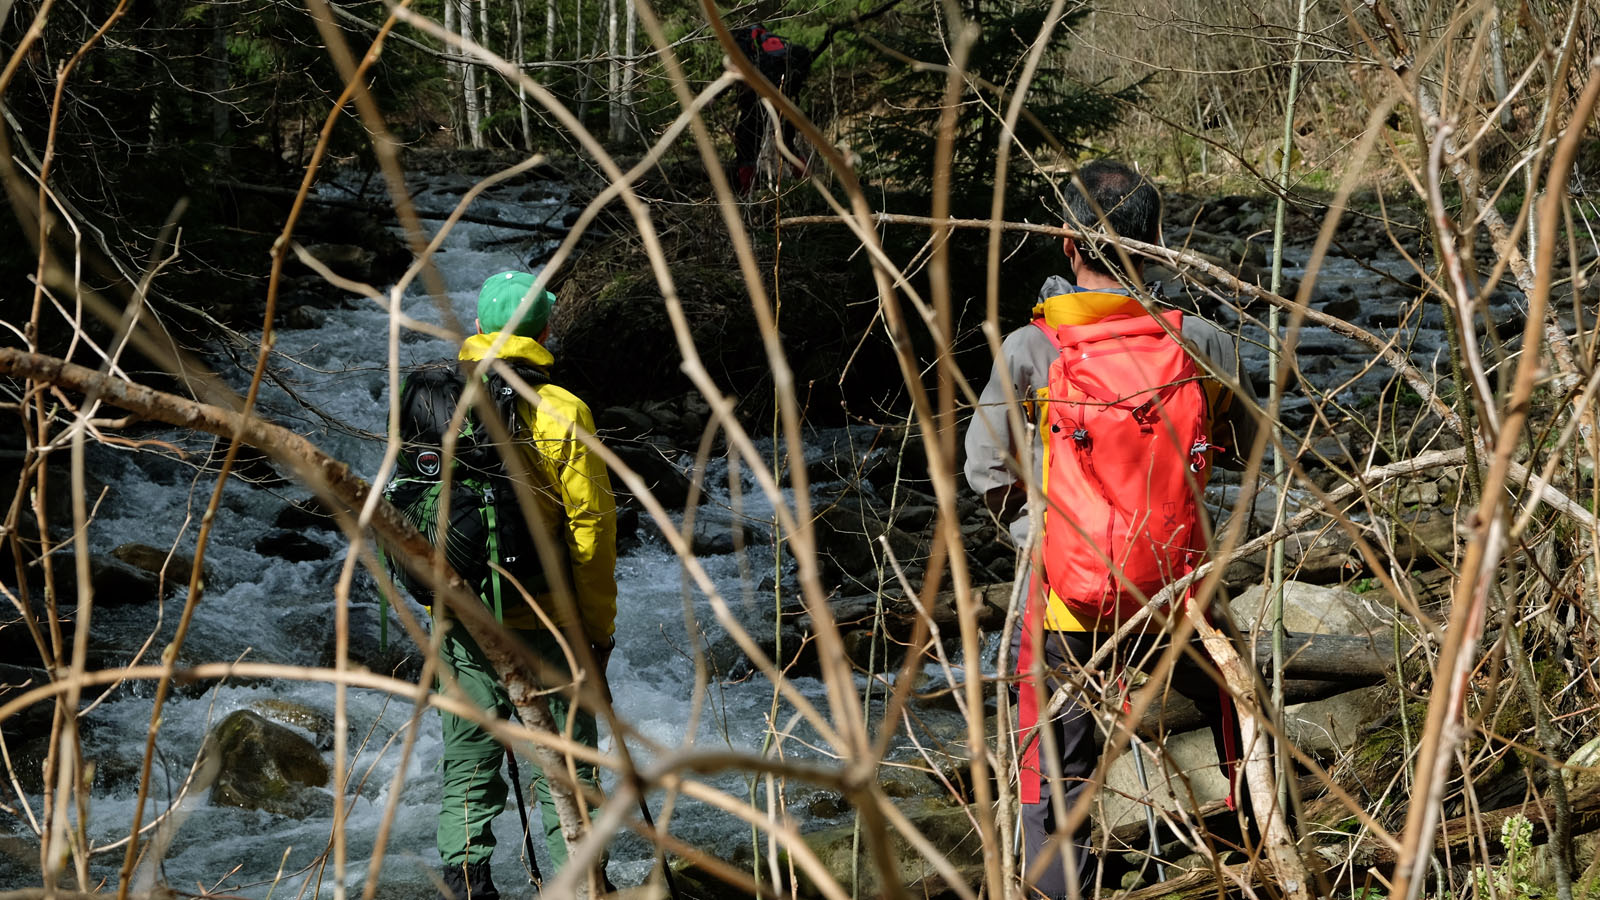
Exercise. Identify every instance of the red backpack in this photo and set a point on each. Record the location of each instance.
(1125, 459)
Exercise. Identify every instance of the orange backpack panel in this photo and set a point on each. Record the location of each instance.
(1125, 458)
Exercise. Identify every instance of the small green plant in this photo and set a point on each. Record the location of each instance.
(1368, 893)
(1510, 878)
(1361, 586)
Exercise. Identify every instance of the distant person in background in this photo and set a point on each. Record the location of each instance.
(786, 65)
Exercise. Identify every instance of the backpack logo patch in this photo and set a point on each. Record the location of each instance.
(428, 462)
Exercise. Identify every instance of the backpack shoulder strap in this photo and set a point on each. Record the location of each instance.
(1055, 339)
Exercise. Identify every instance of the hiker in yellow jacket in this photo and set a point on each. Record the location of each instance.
(574, 492)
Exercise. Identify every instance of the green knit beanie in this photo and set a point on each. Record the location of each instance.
(499, 299)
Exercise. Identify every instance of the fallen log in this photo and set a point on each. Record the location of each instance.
(1463, 831)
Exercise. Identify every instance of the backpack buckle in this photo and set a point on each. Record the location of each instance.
(1197, 458)
(1080, 435)
(1146, 415)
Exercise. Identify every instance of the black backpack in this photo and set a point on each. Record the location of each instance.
(485, 527)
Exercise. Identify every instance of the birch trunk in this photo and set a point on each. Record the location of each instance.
(630, 48)
(452, 70)
(1497, 68)
(549, 30)
(470, 79)
(483, 39)
(613, 72)
(522, 67)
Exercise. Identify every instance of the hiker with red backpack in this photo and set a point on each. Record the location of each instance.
(488, 542)
(1125, 425)
(785, 64)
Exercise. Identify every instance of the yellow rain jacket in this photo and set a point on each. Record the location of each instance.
(574, 490)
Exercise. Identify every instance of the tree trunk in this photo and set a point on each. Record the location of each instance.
(549, 30)
(1288, 868)
(522, 71)
(470, 79)
(613, 72)
(630, 48)
(483, 39)
(219, 84)
(1497, 68)
(453, 70)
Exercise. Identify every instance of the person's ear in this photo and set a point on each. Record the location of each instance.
(478, 324)
(1069, 248)
(544, 336)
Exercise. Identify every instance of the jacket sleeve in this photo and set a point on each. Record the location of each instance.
(589, 511)
(988, 440)
(992, 452)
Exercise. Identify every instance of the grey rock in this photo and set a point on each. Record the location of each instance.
(1333, 725)
(304, 318)
(718, 530)
(945, 824)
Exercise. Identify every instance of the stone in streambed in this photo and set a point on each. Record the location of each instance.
(268, 767)
(292, 546)
(945, 824)
(179, 567)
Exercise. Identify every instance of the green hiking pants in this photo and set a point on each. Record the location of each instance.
(473, 793)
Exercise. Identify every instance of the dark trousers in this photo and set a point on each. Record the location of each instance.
(1074, 727)
(753, 121)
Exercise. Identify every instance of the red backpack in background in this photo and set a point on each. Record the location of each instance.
(1125, 462)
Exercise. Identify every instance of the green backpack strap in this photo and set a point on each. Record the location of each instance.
(491, 521)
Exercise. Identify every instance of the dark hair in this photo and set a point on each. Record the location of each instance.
(1130, 203)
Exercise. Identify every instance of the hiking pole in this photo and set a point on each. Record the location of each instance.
(644, 804)
(1149, 807)
(522, 812)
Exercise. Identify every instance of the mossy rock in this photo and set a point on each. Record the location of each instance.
(179, 568)
(267, 766)
(946, 825)
(298, 715)
(616, 343)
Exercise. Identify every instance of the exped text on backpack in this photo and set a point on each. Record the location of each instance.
(483, 528)
(1125, 455)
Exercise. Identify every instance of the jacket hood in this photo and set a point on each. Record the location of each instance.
(526, 349)
(1086, 307)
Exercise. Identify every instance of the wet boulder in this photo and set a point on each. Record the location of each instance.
(847, 535)
(267, 766)
(655, 466)
(1331, 725)
(305, 515)
(115, 583)
(298, 715)
(718, 530)
(179, 566)
(292, 546)
(346, 260)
